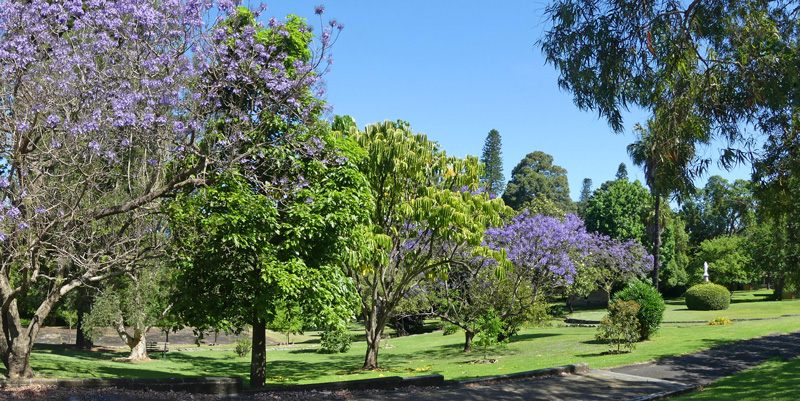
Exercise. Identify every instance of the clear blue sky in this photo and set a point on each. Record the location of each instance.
(457, 69)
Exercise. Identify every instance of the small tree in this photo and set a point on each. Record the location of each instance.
(621, 326)
(288, 319)
(141, 301)
(489, 329)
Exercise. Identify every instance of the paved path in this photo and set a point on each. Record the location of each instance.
(627, 382)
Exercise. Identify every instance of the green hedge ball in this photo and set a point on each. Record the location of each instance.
(708, 296)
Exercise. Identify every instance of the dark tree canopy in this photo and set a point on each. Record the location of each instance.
(721, 208)
(492, 179)
(706, 69)
(537, 177)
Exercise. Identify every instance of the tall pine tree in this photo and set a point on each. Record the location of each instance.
(586, 193)
(492, 179)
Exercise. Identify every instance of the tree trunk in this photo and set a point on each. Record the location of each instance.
(570, 298)
(258, 356)
(468, 336)
(16, 342)
(657, 241)
(138, 345)
(80, 339)
(374, 331)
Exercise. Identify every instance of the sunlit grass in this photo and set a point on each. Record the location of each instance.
(774, 380)
(533, 348)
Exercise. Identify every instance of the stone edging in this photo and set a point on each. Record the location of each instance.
(233, 385)
(669, 394)
(379, 383)
(582, 367)
(202, 385)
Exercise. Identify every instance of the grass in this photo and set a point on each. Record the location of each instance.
(774, 380)
(533, 348)
(744, 305)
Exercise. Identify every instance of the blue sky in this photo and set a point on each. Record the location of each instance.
(457, 69)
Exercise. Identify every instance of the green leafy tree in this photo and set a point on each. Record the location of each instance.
(287, 319)
(728, 262)
(619, 209)
(423, 216)
(492, 179)
(244, 249)
(489, 328)
(537, 177)
(770, 249)
(674, 255)
(140, 300)
(721, 208)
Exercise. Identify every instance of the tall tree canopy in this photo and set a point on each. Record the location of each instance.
(719, 209)
(107, 107)
(619, 209)
(427, 211)
(666, 161)
(537, 177)
(492, 179)
(706, 69)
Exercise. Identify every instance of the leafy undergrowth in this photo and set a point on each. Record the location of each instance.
(774, 380)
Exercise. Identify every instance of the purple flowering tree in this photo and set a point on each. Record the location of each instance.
(108, 106)
(613, 261)
(543, 251)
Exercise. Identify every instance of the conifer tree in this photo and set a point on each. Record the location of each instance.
(586, 193)
(492, 179)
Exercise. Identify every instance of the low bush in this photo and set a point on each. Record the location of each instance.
(243, 347)
(335, 340)
(449, 328)
(708, 296)
(620, 327)
(651, 306)
(720, 321)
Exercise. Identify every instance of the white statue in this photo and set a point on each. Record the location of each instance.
(705, 271)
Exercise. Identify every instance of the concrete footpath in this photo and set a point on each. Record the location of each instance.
(660, 379)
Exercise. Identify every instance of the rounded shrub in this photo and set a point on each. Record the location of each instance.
(651, 306)
(708, 296)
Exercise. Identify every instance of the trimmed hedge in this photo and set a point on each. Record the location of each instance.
(651, 306)
(708, 296)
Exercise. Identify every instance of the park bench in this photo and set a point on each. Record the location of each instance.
(158, 346)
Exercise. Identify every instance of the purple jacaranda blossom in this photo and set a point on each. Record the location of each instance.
(543, 243)
(94, 146)
(13, 212)
(319, 9)
(53, 120)
(4, 182)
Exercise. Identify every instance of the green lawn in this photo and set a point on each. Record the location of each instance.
(744, 305)
(533, 348)
(774, 380)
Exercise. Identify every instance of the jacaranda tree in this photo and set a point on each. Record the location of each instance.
(108, 106)
(616, 261)
(543, 251)
(420, 221)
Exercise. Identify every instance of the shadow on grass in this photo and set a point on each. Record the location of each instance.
(772, 380)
